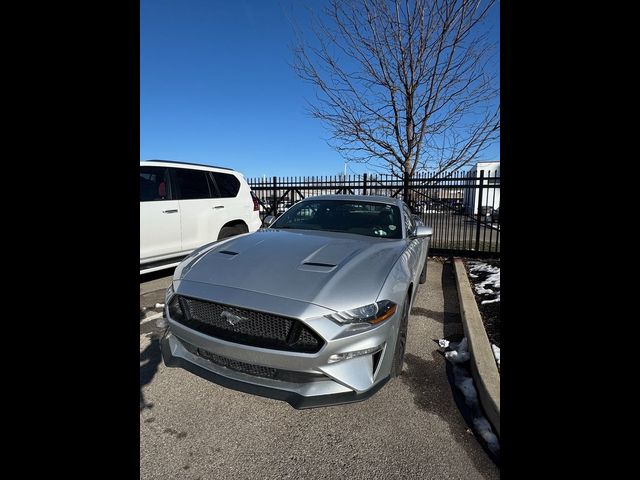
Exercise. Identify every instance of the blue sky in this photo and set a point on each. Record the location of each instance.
(216, 87)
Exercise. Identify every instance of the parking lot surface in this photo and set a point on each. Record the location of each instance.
(412, 428)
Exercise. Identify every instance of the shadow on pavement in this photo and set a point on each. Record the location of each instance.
(454, 332)
(426, 382)
(428, 387)
(452, 321)
(150, 358)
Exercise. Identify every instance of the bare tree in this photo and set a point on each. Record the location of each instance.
(403, 84)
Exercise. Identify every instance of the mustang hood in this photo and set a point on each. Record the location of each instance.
(333, 270)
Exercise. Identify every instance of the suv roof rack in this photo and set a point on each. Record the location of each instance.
(188, 163)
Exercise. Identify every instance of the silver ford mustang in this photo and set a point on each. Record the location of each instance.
(312, 310)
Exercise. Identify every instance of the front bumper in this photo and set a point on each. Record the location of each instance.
(322, 391)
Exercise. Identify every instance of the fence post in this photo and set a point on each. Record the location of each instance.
(364, 185)
(274, 208)
(479, 211)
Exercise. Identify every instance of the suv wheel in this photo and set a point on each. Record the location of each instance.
(226, 232)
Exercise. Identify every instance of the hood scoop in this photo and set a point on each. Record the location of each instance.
(316, 267)
(316, 264)
(328, 257)
(228, 252)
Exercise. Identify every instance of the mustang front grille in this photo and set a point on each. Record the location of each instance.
(246, 327)
(251, 369)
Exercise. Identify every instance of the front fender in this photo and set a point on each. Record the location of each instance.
(395, 288)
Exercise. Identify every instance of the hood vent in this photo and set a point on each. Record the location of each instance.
(316, 264)
(317, 267)
(227, 252)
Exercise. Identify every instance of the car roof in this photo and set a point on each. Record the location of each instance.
(186, 163)
(360, 198)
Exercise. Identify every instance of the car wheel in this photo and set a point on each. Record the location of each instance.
(423, 275)
(226, 232)
(401, 342)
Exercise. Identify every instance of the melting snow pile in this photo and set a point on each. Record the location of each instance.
(458, 352)
(496, 353)
(457, 355)
(492, 280)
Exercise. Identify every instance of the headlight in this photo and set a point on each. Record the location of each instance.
(168, 294)
(373, 313)
(175, 310)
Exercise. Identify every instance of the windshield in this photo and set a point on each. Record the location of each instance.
(362, 218)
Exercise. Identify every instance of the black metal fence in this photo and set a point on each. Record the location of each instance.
(462, 208)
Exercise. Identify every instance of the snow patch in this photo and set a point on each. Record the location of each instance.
(458, 353)
(483, 291)
(491, 301)
(464, 382)
(492, 280)
(475, 266)
(496, 353)
(457, 357)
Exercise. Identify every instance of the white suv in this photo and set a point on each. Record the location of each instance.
(184, 206)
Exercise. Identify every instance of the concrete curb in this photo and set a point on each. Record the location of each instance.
(483, 364)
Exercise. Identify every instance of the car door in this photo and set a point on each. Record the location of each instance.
(160, 235)
(197, 202)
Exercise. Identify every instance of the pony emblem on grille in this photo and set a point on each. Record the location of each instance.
(231, 318)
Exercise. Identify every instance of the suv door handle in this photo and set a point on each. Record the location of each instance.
(175, 210)
(218, 206)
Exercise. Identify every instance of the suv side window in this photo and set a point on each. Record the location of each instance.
(191, 184)
(409, 222)
(228, 185)
(154, 184)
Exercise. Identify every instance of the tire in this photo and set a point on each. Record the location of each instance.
(226, 232)
(401, 341)
(423, 275)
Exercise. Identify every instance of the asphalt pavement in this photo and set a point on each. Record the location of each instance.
(412, 428)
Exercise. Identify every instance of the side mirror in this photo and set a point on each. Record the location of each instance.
(422, 232)
(268, 220)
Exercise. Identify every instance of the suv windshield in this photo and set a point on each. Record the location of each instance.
(362, 218)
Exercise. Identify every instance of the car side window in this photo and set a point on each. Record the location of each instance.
(154, 184)
(409, 222)
(228, 185)
(191, 184)
(304, 214)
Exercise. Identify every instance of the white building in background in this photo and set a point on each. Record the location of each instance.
(490, 194)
